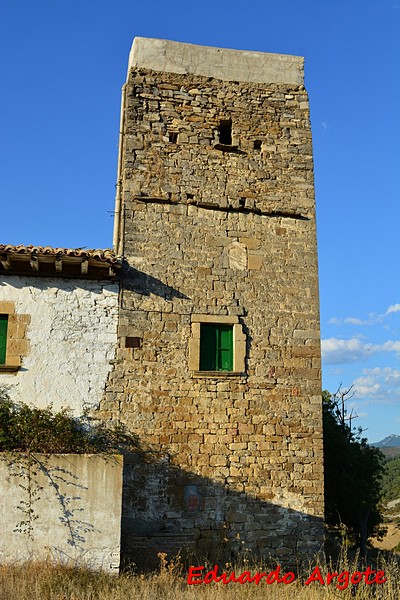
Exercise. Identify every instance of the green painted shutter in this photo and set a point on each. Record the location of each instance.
(208, 347)
(225, 348)
(3, 338)
(216, 347)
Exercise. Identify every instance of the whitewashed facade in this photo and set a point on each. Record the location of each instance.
(69, 338)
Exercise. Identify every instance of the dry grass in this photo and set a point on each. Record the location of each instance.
(391, 539)
(42, 581)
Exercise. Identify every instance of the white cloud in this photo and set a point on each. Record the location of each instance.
(393, 308)
(354, 321)
(348, 320)
(378, 384)
(362, 415)
(391, 346)
(372, 317)
(336, 351)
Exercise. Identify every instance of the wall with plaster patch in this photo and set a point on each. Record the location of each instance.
(70, 340)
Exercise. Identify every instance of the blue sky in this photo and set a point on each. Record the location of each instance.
(62, 65)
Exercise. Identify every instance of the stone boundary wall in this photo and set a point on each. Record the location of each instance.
(76, 509)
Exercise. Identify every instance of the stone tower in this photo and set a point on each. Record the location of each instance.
(218, 365)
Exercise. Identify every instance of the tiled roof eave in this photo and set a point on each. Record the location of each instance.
(59, 262)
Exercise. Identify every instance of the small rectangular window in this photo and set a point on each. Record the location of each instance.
(225, 132)
(216, 347)
(3, 338)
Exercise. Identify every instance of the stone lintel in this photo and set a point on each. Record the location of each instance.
(200, 318)
(221, 63)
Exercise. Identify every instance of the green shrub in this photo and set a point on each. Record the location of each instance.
(29, 429)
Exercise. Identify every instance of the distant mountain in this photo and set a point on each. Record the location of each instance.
(391, 441)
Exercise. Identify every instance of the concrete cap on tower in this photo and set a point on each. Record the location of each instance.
(222, 63)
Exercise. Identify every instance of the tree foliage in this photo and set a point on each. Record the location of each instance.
(353, 473)
(391, 479)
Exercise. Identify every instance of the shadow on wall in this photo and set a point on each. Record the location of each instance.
(66, 507)
(166, 509)
(52, 282)
(145, 285)
(69, 507)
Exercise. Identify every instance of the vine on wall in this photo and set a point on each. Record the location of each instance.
(27, 431)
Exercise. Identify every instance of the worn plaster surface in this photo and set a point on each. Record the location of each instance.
(70, 338)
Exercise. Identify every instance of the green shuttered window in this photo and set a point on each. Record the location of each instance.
(3, 338)
(216, 347)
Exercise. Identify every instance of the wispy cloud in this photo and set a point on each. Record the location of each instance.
(337, 351)
(348, 320)
(389, 346)
(378, 385)
(372, 317)
(394, 308)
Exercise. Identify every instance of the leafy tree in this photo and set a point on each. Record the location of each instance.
(353, 473)
(391, 479)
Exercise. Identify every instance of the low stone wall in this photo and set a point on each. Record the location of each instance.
(65, 508)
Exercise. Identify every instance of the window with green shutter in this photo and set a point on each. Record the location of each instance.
(3, 338)
(216, 347)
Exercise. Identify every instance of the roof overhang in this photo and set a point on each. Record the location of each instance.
(44, 261)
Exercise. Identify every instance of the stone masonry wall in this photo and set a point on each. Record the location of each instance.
(221, 231)
(277, 175)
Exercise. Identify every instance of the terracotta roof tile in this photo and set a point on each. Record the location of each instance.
(105, 255)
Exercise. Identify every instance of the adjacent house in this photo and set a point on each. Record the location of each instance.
(58, 324)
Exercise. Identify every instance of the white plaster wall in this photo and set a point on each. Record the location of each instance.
(72, 336)
(76, 504)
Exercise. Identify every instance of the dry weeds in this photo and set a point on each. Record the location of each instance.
(43, 581)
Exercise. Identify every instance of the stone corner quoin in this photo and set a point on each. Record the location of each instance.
(215, 215)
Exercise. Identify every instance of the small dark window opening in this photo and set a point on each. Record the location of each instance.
(189, 196)
(257, 145)
(225, 132)
(242, 202)
(173, 137)
(133, 342)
